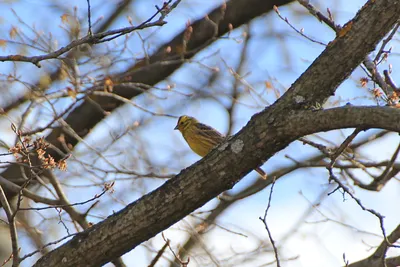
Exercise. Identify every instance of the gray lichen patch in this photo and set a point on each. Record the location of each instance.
(299, 99)
(237, 146)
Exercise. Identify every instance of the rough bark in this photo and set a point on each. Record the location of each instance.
(267, 133)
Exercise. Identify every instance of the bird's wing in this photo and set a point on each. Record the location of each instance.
(211, 133)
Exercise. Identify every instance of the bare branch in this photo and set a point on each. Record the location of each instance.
(89, 39)
(13, 229)
(264, 220)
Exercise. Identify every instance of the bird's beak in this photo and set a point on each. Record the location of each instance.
(176, 127)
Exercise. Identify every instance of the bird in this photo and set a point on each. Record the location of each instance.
(202, 138)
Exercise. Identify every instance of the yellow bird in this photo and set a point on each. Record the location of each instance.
(202, 138)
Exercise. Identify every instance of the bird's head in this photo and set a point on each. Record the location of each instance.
(184, 122)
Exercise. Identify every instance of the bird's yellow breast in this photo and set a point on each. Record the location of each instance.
(198, 145)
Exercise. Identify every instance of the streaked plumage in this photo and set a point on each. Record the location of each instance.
(202, 138)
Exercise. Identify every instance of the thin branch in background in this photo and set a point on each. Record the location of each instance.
(89, 19)
(346, 262)
(358, 201)
(319, 15)
(38, 40)
(64, 200)
(264, 220)
(159, 254)
(55, 118)
(36, 236)
(239, 69)
(325, 150)
(10, 186)
(375, 75)
(313, 206)
(24, 150)
(390, 81)
(378, 182)
(130, 102)
(343, 146)
(55, 75)
(183, 263)
(384, 43)
(385, 176)
(11, 225)
(69, 205)
(392, 238)
(301, 32)
(166, 9)
(205, 225)
(60, 220)
(7, 260)
(345, 189)
(48, 244)
(241, 80)
(86, 213)
(93, 39)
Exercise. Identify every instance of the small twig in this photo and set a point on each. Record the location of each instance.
(43, 247)
(313, 11)
(129, 101)
(388, 173)
(89, 19)
(386, 41)
(67, 205)
(264, 220)
(326, 151)
(346, 262)
(90, 208)
(375, 75)
(294, 28)
(391, 162)
(55, 118)
(239, 69)
(159, 254)
(183, 263)
(343, 146)
(11, 224)
(25, 192)
(62, 222)
(390, 81)
(358, 201)
(7, 260)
